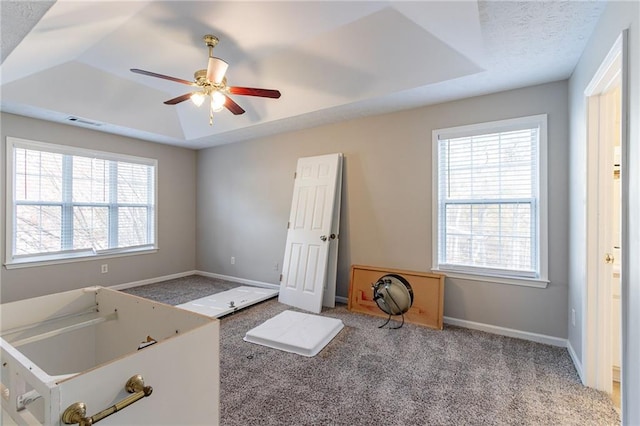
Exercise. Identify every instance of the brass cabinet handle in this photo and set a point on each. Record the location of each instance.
(77, 413)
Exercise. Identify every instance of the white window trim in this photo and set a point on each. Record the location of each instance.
(543, 244)
(68, 256)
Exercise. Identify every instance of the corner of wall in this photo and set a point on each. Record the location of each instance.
(576, 362)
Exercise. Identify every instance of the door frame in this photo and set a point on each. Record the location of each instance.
(596, 326)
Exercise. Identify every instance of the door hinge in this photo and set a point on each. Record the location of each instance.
(295, 175)
(280, 277)
(288, 225)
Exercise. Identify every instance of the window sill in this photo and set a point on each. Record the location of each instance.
(53, 260)
(496, 279)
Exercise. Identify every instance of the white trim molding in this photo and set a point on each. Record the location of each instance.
(238, 280)
(262, 284)
(495, 279)
(509, 332)
(502, 331)
(152, 280)
(596, 305)
(341, 299)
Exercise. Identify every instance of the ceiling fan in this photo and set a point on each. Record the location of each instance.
(213, 83)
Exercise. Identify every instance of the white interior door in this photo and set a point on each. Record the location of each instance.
(309, 235)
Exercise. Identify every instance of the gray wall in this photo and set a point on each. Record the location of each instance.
(617, 17)
(245, 189)
(176, 214)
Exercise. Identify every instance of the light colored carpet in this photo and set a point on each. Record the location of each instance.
(410, 376)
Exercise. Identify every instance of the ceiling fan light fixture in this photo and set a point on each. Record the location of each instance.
(197, 98)
(216, 68)
(212, 82)
(217, 101)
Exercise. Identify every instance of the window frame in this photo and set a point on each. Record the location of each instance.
(540, 279)
(67, 256)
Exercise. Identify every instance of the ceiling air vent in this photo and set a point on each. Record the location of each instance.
(79, 120)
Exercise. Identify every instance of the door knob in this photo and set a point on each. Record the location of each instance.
(608, 258)
(323, 238)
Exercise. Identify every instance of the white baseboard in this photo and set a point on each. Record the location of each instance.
(576, 362)
(238, 280)
(509, 332)
(339, 299)
(152, 280)
(254, 283)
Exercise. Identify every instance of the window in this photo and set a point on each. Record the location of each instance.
(490, 201)
(68, 203)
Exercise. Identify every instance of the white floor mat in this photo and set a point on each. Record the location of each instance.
(297, 332)
(226, 302)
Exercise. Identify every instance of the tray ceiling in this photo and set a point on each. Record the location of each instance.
(330, 60)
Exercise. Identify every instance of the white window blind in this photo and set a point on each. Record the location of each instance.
(488, 199)
(67, 202)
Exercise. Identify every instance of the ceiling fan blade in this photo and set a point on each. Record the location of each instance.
(232, 106)
(250, 91)
(179, 99)
(166, 77)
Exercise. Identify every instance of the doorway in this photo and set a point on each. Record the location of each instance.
(606, 138)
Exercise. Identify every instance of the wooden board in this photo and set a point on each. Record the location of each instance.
(428, 294)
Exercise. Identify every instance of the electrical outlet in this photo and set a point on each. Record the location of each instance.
(573, 317)
(104, 268)
(233, 260)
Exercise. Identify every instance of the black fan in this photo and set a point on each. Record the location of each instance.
(393, 295)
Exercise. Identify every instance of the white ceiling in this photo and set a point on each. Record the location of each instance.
(331, 60)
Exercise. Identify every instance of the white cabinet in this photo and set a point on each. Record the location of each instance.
(82, 346)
